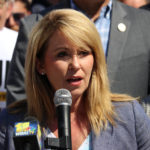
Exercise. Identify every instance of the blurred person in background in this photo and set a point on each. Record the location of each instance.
(5, 11)
(39, 5)
(135, 3)
(7, 42)
(21, 8)
(142, 4)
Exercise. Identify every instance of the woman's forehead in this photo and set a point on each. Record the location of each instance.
(60, 39)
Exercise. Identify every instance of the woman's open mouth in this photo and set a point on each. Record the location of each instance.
(74, 80)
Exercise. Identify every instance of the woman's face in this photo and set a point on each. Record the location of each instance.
(66, 65)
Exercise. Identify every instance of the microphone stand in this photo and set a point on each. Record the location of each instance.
(58, 143)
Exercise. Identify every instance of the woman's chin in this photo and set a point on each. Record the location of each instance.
(76, 94)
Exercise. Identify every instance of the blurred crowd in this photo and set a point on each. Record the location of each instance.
(11, 12)
(22, 8)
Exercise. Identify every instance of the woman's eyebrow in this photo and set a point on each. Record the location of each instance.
(61, 48)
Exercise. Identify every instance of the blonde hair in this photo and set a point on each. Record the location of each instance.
(82, 32)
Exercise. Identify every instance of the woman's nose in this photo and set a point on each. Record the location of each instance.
(75, 63)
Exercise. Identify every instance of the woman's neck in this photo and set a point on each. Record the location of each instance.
(78, 117)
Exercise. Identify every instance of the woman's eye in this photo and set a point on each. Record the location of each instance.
(62, 54)
(83, 53)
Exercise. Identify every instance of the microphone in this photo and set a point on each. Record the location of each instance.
(62, 101)
(27, 135)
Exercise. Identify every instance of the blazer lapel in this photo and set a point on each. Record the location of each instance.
(105, 140)
(118, 36)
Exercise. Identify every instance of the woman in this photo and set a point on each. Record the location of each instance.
(65, 51)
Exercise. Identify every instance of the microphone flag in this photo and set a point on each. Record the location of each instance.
(27, 133)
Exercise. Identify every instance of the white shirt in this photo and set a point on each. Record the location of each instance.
(7, 43)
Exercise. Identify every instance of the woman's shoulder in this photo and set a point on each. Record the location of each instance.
(7, 122)
(7, 118)
(130, 109)
(132, 116)
(128, 106)
(13, 113)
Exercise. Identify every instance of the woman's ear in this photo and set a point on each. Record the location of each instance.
(40, 67)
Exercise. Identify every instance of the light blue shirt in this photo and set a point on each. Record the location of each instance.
(102, 23)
